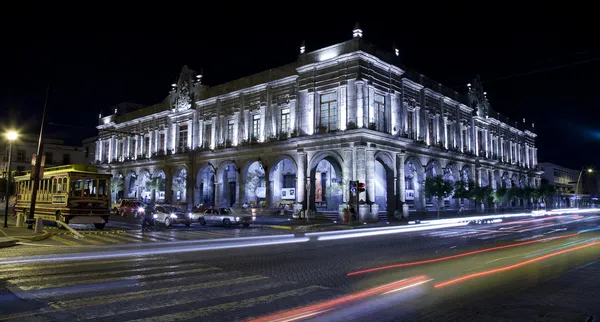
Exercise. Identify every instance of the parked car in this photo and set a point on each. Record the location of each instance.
(130, 207)
(169, 215)
(226, 216)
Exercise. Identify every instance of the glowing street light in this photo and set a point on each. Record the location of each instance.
(10, 136)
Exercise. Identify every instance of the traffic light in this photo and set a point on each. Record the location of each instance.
(361, 187)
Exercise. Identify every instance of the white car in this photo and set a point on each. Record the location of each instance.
(169, 215)
(225, 216)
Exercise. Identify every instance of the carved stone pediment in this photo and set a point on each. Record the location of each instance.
(254, 106)
(182, 95)
(283, 99)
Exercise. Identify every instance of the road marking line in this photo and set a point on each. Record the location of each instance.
(129, 296)
(20, 267)
(195, 314)
(65, 241)
(105, 239)
(120, 278)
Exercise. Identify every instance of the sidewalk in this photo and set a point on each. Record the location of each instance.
(11, 235)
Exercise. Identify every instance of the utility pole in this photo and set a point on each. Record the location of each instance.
(38, 165)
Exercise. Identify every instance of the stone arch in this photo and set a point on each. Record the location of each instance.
(451, 172)
(143, 178)
(414, 176)
(506, 180)
(283, 172)
(385, 172)
(433, 169)
(497, 179)
(228, 177)
(179, 184)
(325, 198)
(466, 174)
(523, 181)
(204, 192)
(514, 180)
(248, 163)
(254, 179)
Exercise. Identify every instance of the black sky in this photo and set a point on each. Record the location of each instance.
(96, 57)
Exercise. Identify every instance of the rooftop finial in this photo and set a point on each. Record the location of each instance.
(357, 32)
(302, 47)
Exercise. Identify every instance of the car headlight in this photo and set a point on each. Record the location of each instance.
(237, 218)
(191, 215)
(253, 217)
(141, 209)
(155, 216)
(173, 216)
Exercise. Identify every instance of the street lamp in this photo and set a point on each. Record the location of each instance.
(589, 170)
(10, 136)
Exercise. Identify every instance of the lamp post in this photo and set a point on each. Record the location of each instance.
(10, 136)
(589, 170)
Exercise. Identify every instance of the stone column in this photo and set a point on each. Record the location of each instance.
(241, 190)
(361, 168)
(168, 185)
(370, 179)
(347, 174)
(268, 188)
(301, 180)
(217, 192)
(494, 183)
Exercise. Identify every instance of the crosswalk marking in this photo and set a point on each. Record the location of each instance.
(156, 287)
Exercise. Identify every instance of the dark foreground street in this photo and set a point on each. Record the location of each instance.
(530, 268)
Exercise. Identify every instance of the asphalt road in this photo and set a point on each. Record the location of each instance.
(307, 278)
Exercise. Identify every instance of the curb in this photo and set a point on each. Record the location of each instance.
(33, 238)
(280, 227)
(8, 243)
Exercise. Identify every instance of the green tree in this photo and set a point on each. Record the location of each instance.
(439, 189)
(180, 184)
(155, 184)
(481, 195)
(255, 179)
(545, 191)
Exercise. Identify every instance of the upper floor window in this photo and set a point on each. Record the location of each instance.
(121, 149)
(208, 135)
(431, 132)
(104, 152)
(147, 145)
(256, 126)
(66, 158)
(161, 141)
(285, 120)
(183, 136)
(329, 111)
(409, 123)
(20, 155)
(380, 121)
(230, 130)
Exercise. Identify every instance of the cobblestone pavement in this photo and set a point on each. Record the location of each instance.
(240, 283)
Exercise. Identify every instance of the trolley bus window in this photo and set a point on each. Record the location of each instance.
(102, 189)
(76, 188)
(90, 188)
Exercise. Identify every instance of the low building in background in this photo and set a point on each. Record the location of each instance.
(570, 186)
(57, 153)
(89, 149)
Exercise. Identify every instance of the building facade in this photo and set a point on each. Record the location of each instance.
(56, 152)
(298, 135)
(89, 149)
(565, 182)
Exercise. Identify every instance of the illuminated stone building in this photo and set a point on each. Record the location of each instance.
(299, 133)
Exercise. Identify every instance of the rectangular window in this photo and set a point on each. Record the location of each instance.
(66, 158)
(147, 145)
(256, 126)
(161, 142)
(464, 137)
(230, 131)
(380, 120)
(285, 120)
(208, 136)
(409, 123)
(431, 134)
(329, 111)
(480, 140)
(20, 155)
(121, 149)
(104, 152)
(183, 136)
(449, 135)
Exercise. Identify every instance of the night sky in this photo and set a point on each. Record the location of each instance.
(537, 64)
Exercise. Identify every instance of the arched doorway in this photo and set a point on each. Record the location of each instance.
(384, 184)
(326, 186)
(432, 170)
(228, 185)
(143, 180)
(414, 176)
(283, 177)
(205, 186)
(256, 190)
(157, 184)
(130, 185)
(179, 186)
(117, 187)
(451, 175)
